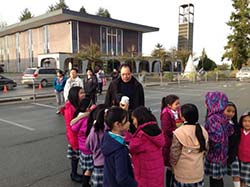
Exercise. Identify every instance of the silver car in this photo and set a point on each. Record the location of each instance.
(43, 76)
(243, 74)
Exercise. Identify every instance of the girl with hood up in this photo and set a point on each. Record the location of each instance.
(145, 146)
(219, 129)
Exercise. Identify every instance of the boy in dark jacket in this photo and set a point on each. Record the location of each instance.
(118, 171)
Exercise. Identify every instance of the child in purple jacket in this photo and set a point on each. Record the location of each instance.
(79, 125)
(219, 129)
(95, 131)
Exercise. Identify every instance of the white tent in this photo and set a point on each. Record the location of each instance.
(190, 68)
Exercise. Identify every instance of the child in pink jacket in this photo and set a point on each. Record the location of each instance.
(79, 126)
(145, 145)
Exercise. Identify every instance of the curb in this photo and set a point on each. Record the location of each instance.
(30, 98)
(25, 98)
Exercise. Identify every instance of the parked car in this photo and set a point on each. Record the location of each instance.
(243, 73)
(10, 84)
(43, 76)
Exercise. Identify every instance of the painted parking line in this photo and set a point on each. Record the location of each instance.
(47, 106)
(17, 124)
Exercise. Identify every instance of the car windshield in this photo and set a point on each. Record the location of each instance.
(29, 71)
(245, 69)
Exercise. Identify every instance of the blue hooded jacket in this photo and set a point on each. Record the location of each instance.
(118, 171)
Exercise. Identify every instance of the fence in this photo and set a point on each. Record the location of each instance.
(181, 78)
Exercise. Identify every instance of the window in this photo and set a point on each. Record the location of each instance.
(43, 71)
(31, 57)
(51, 71)
(104, 40)
(74, 37)
(111, 41)
(46, 39)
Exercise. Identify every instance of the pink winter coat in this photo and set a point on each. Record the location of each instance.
(68, 113)
(147, 157)
(79, 126)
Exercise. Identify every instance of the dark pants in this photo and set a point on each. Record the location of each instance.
(100, 85)
(169, 178)
(216, 182)
(92, 98)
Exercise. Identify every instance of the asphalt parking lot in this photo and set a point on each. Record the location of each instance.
(33, 143)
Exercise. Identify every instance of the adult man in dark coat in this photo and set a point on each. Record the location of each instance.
(126, 85)
(90, 85)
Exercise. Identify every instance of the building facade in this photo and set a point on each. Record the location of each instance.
(54, 38)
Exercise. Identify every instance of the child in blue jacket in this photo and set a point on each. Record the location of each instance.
(118, 171)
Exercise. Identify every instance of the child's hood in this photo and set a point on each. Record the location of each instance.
(109, 145)
(152, 132)
(187, 137)
(67, 106)
(216, 102)
(79, 117)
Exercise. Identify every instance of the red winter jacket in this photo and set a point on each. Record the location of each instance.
(147, 157)
(168, 125)
(68, 112)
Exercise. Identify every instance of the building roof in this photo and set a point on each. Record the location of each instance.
(63, 15)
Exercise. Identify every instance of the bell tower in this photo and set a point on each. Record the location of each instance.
(186, 27)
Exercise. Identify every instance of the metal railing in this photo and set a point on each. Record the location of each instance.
(181, 78)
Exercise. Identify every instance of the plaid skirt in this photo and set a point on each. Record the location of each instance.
(197, 184)
(245, 172)
(215, 170)
(97, 177)
(86, 162)
(234, 168)
(72, 153)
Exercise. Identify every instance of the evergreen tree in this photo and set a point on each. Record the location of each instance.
(26, 14)
(82, 10)
(238, 46)
(57, 6)
(103, 13)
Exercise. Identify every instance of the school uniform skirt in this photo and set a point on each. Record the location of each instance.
(197, 184)
(86, 162)
(234, 168)
(245, 172)
(215, 170)
(72, 153)
(97, 176)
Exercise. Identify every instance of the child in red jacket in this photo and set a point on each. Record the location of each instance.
(244, 149)
(76, 94)
(170, 120)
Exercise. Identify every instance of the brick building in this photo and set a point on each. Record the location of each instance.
(52, 39)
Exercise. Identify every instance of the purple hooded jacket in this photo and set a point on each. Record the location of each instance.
(218, 127)
(93, 143)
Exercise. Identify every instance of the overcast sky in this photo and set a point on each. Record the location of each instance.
(210, 17)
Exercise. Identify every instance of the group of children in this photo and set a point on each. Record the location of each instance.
(121, 148)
